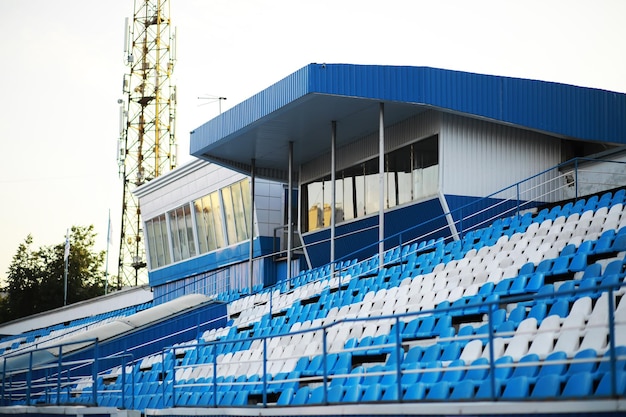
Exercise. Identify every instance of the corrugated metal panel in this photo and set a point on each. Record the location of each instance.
(294, 108)
(473, 151)
(250, 111)
(562, 109)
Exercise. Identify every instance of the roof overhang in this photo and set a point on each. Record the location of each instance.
(301, 107)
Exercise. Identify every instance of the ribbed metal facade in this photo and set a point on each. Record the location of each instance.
(557, 109)
(479, 158)
(561, 109)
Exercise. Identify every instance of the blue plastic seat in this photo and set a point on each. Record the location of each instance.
(579, 385)
(527, 269)
(454, 372)
(439, 391)
(557, 368)
(588, 287)
(432, 373)
(502, 287)
(516, 388)
(372, 376)
(518, 286)
(592, 203)
(547, 386)
(335, 394)
(313, 366)
(578, 262)
(503, 368)
(561, 265)
(538, 311)
(463, 391)
(414, 355)
(411, 375)
(226, 399)
(317, 395)
(527, 366)
(605, 389)
(619, 244)
(620, 364)
(604, 242)
(561, 306)
(302, 364)
(451, 352)
(391, 393)
(410, 329)
(372, 393)
(415, 392)
(518, 314)
(545, 266)
(587, 364)
(241, 398)
(619, 196)
(426, 327)
(431, 353)
(285, 397)
(341, 363)
(613, 272)
(352, 394)
(485, 392)
(443, 323)
(302, 396)
(478, 370)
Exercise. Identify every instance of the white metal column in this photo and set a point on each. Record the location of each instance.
(252, 193)
(289, 205)
(381, 184)
(333, 197)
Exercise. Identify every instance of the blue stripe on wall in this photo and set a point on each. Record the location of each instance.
(214, 260)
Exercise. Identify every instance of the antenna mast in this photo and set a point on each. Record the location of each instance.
(147, 145)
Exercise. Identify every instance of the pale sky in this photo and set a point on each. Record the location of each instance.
(62, 68)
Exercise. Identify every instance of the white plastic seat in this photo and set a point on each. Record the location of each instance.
(471, 290)
(441, 296)
(527, 327)
(517, 346)
(600, 314)
(568, 340)
(595, 338)
(551, 323)
(499, 343)
(543, 343)
(455, 293)
(472, 351)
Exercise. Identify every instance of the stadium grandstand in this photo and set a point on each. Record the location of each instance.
(363, 240)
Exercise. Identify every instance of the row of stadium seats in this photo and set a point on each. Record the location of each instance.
(458, 308)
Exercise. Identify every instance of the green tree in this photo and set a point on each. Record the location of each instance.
(35, 278)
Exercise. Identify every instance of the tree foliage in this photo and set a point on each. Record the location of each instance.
(35, 278)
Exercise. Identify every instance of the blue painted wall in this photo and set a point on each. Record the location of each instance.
(361, 241)
(211, 261)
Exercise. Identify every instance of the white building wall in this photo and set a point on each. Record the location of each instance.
(269, 206)
(478, 157)
(184, 184)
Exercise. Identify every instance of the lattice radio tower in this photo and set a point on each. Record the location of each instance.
(147, 145)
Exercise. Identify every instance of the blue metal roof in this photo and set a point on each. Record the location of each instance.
(300, 108)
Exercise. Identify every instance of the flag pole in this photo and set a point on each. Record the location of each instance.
(66, 257)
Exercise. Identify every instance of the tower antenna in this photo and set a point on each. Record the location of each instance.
(147, 145)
